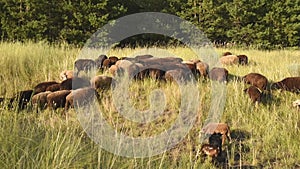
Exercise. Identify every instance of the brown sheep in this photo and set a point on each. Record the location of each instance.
(41, 87)
(82, 96)
(66, 74)
(218, 74)
(191, 66)
(85, 65)
(40, 99)
(99, 61)
(113, 70)
(256, 80)
(107, 63)
(202, 69)
(156, 73)
(229, 60)
(227, 53)
(243, 59)
(74, 83)
(221, 128)
(254, 94)
(113, 59)
(53, 88)
(291, 84)
(57, 99)
(101, 82)
(177, 75)
(210, 150)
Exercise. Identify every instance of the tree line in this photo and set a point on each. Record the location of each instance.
(265, 24)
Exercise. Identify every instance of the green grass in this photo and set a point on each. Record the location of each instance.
(48, 140)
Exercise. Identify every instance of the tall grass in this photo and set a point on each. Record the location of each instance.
(266, 135)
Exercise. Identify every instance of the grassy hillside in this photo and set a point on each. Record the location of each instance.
(266, 135)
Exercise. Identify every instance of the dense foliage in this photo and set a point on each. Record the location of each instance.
(264, 24)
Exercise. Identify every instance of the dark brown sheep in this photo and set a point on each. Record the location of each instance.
(243, 59)
(256, 80)
(57, 99)
(101, 82)
(218, 74)
(81, 96)
(85, 65)
(254, 94)
(53, 88)
(113, 59)
(99, 61)
(107, 63)
(156, 73)
(291, 84)
(41, 87)
(22, 98)
(40, 99)
(74, 83)
(226, 53)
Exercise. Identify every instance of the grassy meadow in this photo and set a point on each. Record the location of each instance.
(264, 136)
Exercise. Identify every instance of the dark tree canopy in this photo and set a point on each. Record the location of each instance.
(264, 24)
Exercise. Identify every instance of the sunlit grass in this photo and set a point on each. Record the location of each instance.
(48, 140)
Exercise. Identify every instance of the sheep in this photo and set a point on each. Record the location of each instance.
(107, 63)
(156, 73)
(202, 69)
(257, 80)
(291, 84)
(53, 88)
(191, 66)
(229, 60)
(66, 74)
(227, 53)
(40, 99)
(57, 99)
(254, 94)
(82, 97)
(296, 103)
(85, 65)
(221, 128)
(101, 82)
(209, 150)
(22, 98)
(178, 75)
(243, 59)
(41, 87)
(74, 83)
(128, 67)
(218, 74)
(99, 61)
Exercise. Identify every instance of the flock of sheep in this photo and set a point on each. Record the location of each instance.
(53, 95)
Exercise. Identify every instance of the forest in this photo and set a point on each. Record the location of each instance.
(264, 24)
